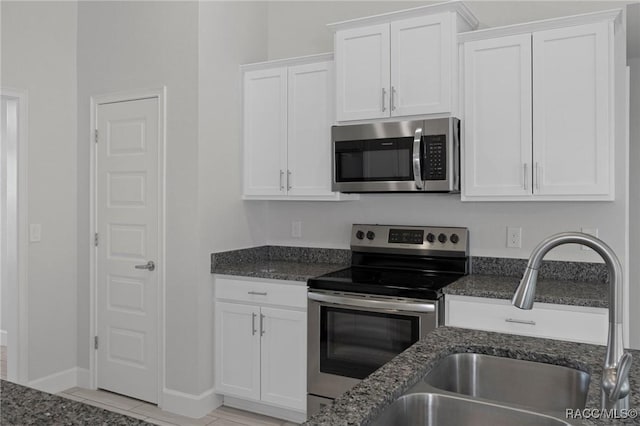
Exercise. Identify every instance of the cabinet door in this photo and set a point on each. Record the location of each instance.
(572, 106)
(237, 350)
(497, 111)
(362, 73)
(421, 70)
(284, 358)
(310, 104)
(265, 131)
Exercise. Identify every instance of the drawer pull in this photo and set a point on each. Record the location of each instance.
(520, 321)
(258, 293)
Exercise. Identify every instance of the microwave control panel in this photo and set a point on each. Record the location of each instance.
(435, 157)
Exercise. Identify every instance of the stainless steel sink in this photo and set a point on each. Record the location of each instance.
(545, 387)
(429, 409)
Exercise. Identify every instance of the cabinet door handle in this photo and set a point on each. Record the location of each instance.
(253, 324)
(538, 176)
(517, 321)
(281, 184)
(384, 95)
(524, 177)
(258, 293)
(261, 325)
(289, 180)
(393, 98)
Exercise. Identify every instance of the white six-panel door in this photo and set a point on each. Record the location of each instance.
(421, 69)
(127, 223)
(497, 110)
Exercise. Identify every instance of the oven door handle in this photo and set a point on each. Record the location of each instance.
(373, 304)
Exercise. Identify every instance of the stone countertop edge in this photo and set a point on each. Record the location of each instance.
(280, 262)
(367, 400)
(561, 292)
(288, 271)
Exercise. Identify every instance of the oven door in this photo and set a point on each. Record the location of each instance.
(351, 336)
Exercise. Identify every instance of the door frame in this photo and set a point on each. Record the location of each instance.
(95, 101)
(17, 328)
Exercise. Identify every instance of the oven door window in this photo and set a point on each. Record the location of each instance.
(374, 160)
(355, 343)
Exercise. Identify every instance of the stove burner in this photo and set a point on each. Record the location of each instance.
(401, 262)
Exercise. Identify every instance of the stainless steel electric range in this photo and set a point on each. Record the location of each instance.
(360, 317)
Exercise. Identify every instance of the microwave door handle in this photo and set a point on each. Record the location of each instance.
(417, 169)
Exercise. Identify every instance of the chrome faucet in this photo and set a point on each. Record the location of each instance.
(617, 362)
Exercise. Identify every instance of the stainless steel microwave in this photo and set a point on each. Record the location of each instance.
(401, 156)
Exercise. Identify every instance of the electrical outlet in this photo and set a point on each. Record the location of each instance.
(35, 232)
(296, 229)
(514, 237)
(590, 231)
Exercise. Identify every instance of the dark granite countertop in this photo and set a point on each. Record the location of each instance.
(278, 270)
(563, 292)
(280, 262)
(369, 398)
(20, 405)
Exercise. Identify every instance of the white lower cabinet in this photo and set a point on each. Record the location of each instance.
(561, 322)
(261, 349)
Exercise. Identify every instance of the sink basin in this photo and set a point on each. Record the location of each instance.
(532, 384)
(429, 409)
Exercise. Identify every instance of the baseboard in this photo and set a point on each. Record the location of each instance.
(190, 405)
(63, 380)
(267, 410)
(3, 338)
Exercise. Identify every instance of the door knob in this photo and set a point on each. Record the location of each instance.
(150, 266)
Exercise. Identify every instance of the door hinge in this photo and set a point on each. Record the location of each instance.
(95, 342)
(95, 239)
(95, 135)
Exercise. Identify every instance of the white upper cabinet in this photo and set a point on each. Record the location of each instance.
(538, 111)
(497, 116)
(288, 112)
(400, 64)
(362, 84)
(310, 108)
(421, 65)
(572, 149)
(265, 131)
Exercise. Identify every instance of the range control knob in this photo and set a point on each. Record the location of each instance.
(359, 235)
(370, 235)
(454, 238)
(430, 237)
(442, 238)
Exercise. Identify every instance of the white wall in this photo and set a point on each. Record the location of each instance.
(136, 45)
(39, 55)
(225, 221)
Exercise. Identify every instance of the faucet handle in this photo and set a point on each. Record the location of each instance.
(622, 374)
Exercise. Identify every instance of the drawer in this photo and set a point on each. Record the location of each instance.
(563, 322)
(262, 292)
